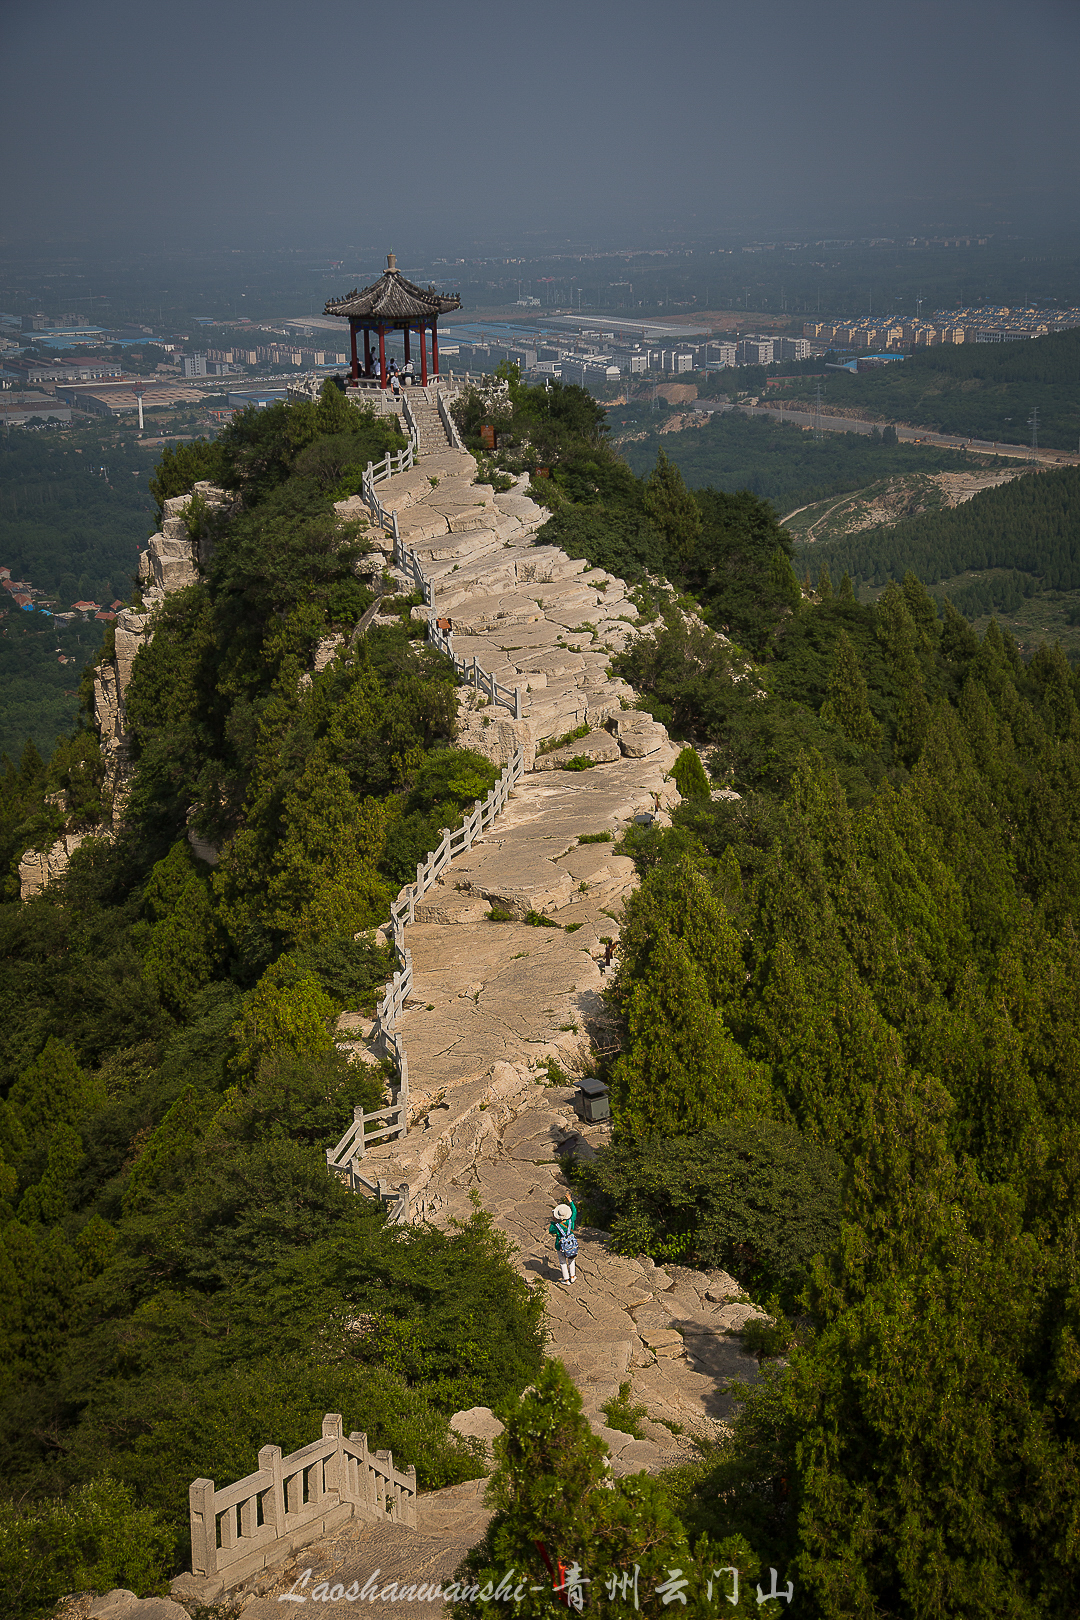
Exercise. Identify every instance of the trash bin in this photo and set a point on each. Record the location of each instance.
(594, 1101)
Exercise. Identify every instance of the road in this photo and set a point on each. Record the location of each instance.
(946, 441)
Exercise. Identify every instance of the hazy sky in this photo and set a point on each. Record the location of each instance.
(440, 126)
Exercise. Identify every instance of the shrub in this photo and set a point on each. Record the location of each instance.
(689, 775)
(623, 1414)
(95, 1537)
(753, 1197)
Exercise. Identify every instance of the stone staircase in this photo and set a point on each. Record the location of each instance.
(503, 1014)
(429, 424)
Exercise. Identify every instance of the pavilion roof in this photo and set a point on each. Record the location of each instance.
(393, 298)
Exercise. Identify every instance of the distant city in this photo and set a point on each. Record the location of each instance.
(595, 352)
(944, 326)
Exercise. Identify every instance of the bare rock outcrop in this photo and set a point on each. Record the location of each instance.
(172, 560)
(39, 868)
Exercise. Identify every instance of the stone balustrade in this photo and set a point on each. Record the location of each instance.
(289, 1502)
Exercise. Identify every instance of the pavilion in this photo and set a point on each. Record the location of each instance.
(393, 304)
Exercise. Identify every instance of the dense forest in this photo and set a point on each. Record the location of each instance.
(848, 1069)
(1027, 530)
(75, 510)
(981, 390)
(39, 695)
(779, 461)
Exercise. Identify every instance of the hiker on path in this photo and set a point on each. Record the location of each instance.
(563, 1221)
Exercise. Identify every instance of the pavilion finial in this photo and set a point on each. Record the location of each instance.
(391, 261)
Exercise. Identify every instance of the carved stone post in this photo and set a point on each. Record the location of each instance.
(203, 1527)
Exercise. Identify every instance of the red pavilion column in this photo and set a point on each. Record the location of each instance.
(352, 343)
(367, 352)
(423, 357)
(408, 351)
(435, 345)
(382, 356)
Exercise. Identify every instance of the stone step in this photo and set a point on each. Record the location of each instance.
(461, 551)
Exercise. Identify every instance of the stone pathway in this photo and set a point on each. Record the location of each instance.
(505, 1013)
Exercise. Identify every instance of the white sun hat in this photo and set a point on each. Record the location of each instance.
(562, 1212)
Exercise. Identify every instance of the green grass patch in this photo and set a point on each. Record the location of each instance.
(623, 1414)
(552, 743)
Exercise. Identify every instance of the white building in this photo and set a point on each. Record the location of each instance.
(193, 365)
(756, 351)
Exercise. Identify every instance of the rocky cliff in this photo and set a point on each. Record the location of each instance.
(171, 561)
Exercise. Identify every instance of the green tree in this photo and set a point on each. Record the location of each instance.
(287, 1013)
(324, 878)
(52, 1092)
(97, 1538)
(185, 947)
(681, 1070)
(847, 703)
(47, 1200)
(689, 775)
(672, 510)
(551, 1486)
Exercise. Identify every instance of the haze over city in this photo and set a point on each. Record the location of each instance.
(482, 126)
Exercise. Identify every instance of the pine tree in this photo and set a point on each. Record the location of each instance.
(783, 583)
(689, 776)
(551, 1486)
(325, 879)
(847, 701)
(289, 1011)
(185, 948)
(672, 509)
(681, 1070)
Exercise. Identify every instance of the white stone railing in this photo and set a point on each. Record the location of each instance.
(508, 696)
(407, 562)
(428, 872)
(410, 423)
(448, 423)
(477, 379)
(292, 1501)
(389, 467)
(343, 1160)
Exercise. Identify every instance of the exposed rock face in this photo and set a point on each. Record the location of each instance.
(39, 868)
(478, 1423)
(171, 561)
